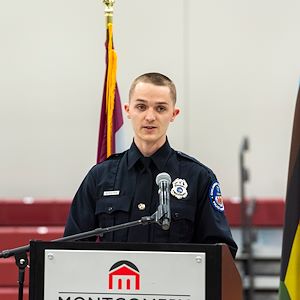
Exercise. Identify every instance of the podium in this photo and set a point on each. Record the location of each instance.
(129, 271)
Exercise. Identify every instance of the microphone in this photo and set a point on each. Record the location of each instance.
(163, 181)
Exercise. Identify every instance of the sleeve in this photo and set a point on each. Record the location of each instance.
(81, 216)
(211, 223)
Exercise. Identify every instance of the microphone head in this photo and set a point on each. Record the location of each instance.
(163, 177)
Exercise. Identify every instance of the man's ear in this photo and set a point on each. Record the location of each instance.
(126, 108)
(175, 113)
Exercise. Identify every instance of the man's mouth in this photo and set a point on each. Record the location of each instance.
(149, 127)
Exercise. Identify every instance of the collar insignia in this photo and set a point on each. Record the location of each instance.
(179, 189)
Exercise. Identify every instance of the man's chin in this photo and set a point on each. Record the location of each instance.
(152, 138)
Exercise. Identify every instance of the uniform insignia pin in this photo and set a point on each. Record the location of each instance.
(179, 189)
(141, 206)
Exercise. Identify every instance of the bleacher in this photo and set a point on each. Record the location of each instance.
(264, 259)
(20, 222)
(28, 219)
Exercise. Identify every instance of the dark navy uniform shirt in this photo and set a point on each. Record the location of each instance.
(120, 190)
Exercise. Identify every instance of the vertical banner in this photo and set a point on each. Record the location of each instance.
(290, 262)
(111, 118)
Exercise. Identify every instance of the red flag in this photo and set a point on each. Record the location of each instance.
(111, 111)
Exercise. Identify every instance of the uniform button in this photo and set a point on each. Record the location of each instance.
(141, 206)
(176, 215)
(110, 209)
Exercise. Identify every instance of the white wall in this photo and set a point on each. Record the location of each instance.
(236, 65)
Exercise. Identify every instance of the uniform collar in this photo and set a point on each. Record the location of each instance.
(159, 158)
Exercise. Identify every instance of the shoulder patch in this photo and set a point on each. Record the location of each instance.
(215, 196)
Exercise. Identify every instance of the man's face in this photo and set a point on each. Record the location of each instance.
(150, 109)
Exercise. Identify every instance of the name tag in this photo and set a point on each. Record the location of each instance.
(111, 193)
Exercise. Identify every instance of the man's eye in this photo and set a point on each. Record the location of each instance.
(161, 108)
(141, 107)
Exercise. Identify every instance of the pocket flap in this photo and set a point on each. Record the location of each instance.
(109, 204)
(180, 210)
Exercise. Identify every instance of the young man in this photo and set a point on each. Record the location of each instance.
(123, 188)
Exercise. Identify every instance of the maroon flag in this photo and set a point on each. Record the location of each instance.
(111, 111)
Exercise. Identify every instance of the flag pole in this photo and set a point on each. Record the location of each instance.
(109, 10)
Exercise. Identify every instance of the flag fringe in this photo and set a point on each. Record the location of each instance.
(111, 81)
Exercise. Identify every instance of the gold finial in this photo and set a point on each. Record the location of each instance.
(109, 10)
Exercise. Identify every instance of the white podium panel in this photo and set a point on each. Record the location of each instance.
(123, 275)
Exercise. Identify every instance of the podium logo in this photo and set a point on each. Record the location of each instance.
(124, 275)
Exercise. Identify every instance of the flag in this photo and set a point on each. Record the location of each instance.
(290, 261)
(111, 112)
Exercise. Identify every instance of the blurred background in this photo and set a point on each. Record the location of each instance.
(235, 63)
(236, 67)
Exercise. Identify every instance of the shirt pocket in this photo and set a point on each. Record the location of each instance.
(182, 221)
(112, 211)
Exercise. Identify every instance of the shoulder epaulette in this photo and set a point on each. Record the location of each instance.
(188, 157)
(116, 155)
(181, 154)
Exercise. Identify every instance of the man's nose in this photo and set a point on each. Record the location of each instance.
(150, 115)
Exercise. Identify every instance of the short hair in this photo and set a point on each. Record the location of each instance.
(156, 79)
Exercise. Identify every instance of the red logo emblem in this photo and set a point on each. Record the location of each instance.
(124, 275)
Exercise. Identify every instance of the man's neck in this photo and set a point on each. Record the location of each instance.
(148, 149)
